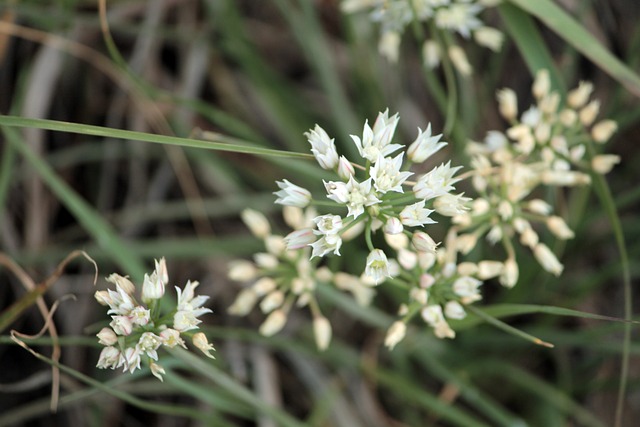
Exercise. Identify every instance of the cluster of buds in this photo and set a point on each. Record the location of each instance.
(138, 330)
(452, 16)
(548, 145)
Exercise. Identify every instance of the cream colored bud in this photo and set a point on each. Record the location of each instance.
(460, 61)
(568, 117)
(427, 280)
(275, 245)
(542, 132)
(393, 226)
(577, 153)
(589, 113)
(559, 228)
(563, 177)
(345, 168)
(505, 209)
(549, 104)
(422, 242)
(322, 332)
(244, 302)
(603, 163)
(103, 297)
(241, 270)
(272, 301)
(443, 330)
(507, 104)
(353, 232)
(539, 207)
(489, 37)
(466, 242)
(273, 323)
(481, 206)
(489, 269)
(467, 268)
(510, 273)
(324, 274)
(201, 343)
(431, 54)
(397, 241)
(495, 234)
(529, 237)
(389, 45)
(580, 95)
(293, 216)
(541, 84)
(122, 282)
(157, 370)
(265, 260)
(257, 223)
(547, 259)
(602, 131)
(419, 295)
(407, 259)
(107, 337)
(395, 334)
(454, 310)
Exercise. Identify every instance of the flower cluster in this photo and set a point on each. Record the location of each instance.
(449, 16)
(547, 146)
(138, 330)
(378, 199)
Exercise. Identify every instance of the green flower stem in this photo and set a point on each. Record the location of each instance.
(507, 328)
(367, 235)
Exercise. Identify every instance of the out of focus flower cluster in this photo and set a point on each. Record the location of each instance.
(138, 329)
(440, 19)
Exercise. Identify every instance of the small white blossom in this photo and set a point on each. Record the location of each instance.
(322, 332)
(107, 337)
(171, 338)
(424, 146)
(416, 215)
(453, 310)
(376, 142)
(200, 342)
(387, 176)
(377, 266)
(437, 182)
(109, 357)
(353, 194)
(323, 148)
(395, 334)
(292, 195)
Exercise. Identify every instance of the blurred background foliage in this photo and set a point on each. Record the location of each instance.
(261, 73)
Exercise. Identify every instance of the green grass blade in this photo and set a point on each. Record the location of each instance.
(222, 144)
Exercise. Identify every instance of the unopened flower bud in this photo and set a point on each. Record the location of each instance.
(422, 242)
(107, 337)
(589, 112)
(541, 84)
(345, 168)
(547, 259)
(241, 270)
(273, 323)
(122, 283)
(602, 131)
(272, 301)
(431, 54)
(389, 45)
(508, 104)
(407, 259)
(265, 260)
(510, 272)
(467, 268)
(293, 216)
(393, 226)
(454, 310)
(257, 223)
(580, 95)
(395, 334)
(603, 163)
(489, 269)
(322, 332)
(201, 343)
(559, 228)
(244, 302)
(460, 61)
(397, 241)
(157, 370)
(489, 37)
(539, 207)
(466, 242)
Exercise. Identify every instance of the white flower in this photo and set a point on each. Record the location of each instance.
(152, 287)
(467, 288)
(386, 174)
(323, 148)
(416, 215)
(300, 238)
(436, 182)
(149, 343)
(292, 195)
(376, 142)
(257, 223)
(328, 224)
(451, 204)
(121, 325)
(395, 334)
(326, 244)
(453, 310)
(353, 194)
(171, 338)
(461, 17)
(140, 316)
(322, 332)
(377, 266)
(109, 357)
(189, 302)
(424, 146)
(201, 343)
(130, 359)
(157, 370)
